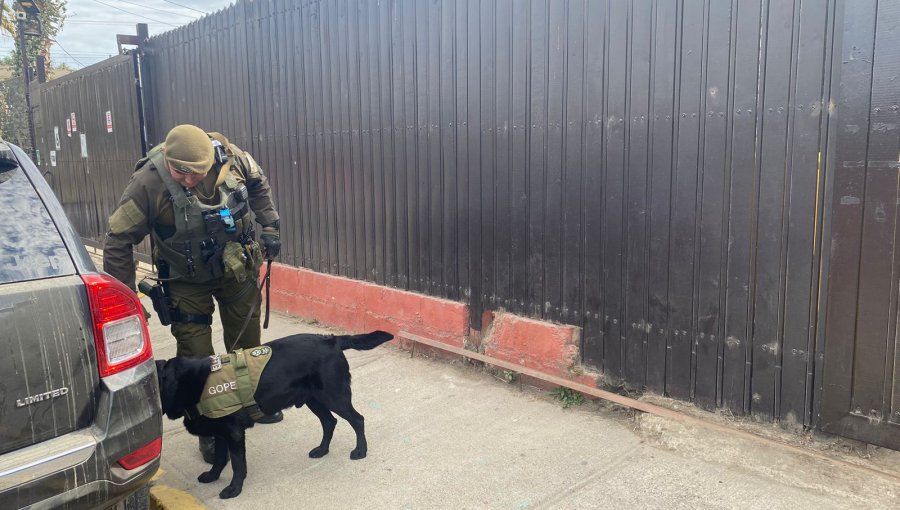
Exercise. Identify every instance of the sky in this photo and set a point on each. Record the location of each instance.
(89, 33)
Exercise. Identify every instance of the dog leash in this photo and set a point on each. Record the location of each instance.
(268, 287)
(267, 280)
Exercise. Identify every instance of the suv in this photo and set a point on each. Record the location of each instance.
(80, 419)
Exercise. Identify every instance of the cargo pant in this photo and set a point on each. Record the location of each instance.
(235, 301)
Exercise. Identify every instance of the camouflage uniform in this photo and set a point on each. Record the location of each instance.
(148, 207)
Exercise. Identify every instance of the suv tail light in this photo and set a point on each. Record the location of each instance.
(120, 330)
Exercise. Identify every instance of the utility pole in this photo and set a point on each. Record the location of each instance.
(24, 9)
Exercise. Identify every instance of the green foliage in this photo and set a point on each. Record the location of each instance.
(13, 112)
(13, 121)
(567, 397)
(52, 17)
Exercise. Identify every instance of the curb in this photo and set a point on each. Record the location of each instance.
(163, 497)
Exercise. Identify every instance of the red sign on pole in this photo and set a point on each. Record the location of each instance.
(108, 121)
(74, 123)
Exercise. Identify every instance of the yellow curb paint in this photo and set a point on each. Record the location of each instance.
(163, 497)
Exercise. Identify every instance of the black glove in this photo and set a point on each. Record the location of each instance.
(270, 241)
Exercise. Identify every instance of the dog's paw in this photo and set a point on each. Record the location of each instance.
(318, 452)
(357, 454)
(230, 492)
(207, 477)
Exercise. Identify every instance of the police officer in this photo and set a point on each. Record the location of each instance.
(194, 196)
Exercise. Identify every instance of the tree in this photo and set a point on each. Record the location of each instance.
(13, 111)
(8, 21)
(52, 17)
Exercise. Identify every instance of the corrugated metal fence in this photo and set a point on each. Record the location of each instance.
(87, 130)
(652, 172)
(646, 170)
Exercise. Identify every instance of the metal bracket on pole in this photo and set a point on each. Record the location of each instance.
(138, 40)
(133, 40)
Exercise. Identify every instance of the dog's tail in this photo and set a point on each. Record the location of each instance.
(365, 342)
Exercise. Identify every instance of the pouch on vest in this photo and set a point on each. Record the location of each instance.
(235, 261)
(213, 257)
(254, 256)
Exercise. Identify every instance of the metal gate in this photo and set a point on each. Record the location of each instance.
(89, 134)
(861, 379)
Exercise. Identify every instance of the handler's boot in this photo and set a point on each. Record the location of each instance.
(208, 449)
(271, 418)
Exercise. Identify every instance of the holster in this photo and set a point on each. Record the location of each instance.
(161, 302)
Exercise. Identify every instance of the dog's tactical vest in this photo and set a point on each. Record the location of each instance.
(232, 383)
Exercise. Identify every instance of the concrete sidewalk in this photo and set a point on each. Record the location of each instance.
(450, 435)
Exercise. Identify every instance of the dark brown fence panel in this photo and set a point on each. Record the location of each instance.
(650, 172)
(89, 186)
(862, 359)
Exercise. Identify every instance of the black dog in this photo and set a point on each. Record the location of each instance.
(303, 369)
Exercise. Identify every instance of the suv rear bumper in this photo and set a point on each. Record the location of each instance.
(80, 469)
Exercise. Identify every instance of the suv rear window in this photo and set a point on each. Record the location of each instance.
(30, 245)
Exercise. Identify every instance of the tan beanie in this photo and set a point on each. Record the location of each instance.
(188, 149)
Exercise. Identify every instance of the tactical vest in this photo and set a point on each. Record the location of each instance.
(232, 383)
(205, 246)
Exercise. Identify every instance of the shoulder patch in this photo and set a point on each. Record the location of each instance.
(255, 170)
(125, 217)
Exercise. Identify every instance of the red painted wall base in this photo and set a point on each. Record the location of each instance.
(360, 306)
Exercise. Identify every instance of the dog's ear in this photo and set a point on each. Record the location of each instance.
(168, 389)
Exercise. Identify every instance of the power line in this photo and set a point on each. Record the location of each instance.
(91, 55)
(134, 14)
(186, 7)
(104, 22)
(66, 52)
(76, 53)
(160, 10)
